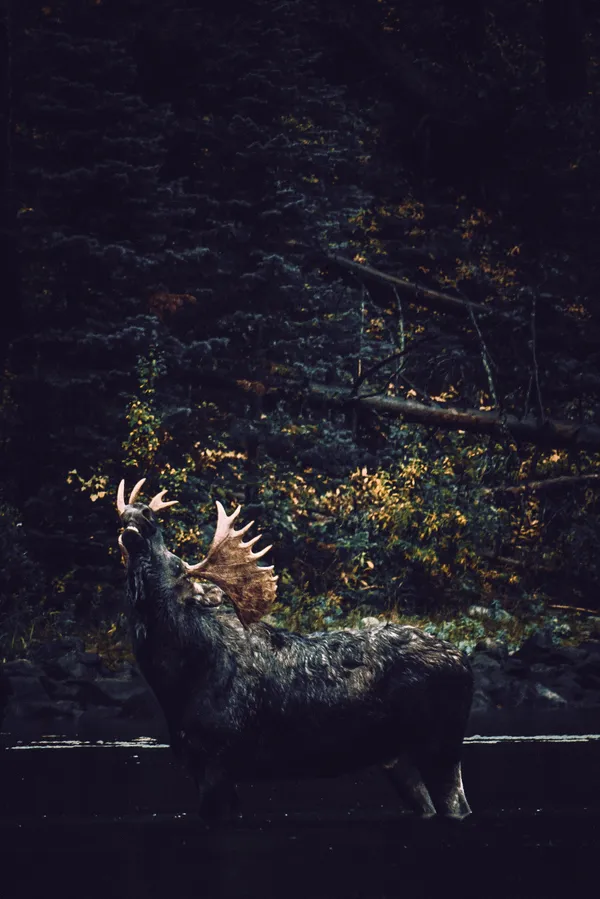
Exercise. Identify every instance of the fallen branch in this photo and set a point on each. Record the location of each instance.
(551, 432)
(576, 609)
(506, 561)
(550, 484)
(422, 294)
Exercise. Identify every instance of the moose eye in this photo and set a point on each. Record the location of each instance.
(147, 514)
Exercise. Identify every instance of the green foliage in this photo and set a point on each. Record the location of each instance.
(22, 608)
(179, 298)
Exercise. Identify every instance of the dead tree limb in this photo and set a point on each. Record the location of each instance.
(565, 481)
(425, 295)
(551, 432)
(574, 609)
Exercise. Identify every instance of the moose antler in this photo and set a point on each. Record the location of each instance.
(231, 565)
(156, 503)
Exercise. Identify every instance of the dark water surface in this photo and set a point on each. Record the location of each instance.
(118, 819)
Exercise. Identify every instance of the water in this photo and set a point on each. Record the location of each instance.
(117, 819)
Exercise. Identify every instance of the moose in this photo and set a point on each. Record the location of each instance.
(244, 700)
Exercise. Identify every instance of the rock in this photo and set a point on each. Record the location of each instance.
(566, 655)
(370, 621)
(132, 696)
(568, 687)
(592, 647)
(100, 713)
(589, 680)
(516, 667)
(589, 665)
(510, 693)
(484, 662)
(5, 692)
(27, 689)
(490, 679)
(45, 709)
(125, 670)
(537, 646)
(22, 667)
(481, 702)
(541, 670)
(589, 700)
(58, 648)
(64, 689)
(67, 667)
(90, 658)
(594, 622)
(64, 708)
(493, 648)
(547, 697)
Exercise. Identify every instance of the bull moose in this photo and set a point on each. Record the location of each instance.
(246, 701)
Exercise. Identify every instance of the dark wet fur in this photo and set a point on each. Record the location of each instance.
(247, 703)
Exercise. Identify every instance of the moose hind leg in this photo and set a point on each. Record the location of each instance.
(410, 786)
(443, 777)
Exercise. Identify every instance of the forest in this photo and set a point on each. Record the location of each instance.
(333, 260)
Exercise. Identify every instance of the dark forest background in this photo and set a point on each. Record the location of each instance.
(335, 260)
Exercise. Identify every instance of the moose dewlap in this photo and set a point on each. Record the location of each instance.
(244, 700)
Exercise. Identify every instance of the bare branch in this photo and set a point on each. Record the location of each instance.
(559, 483)
(551, 432)
(399, 355)
(574, 609)
(422, 294)
(486, 358)
(536, 372)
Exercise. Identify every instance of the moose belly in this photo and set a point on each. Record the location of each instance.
(332, 750)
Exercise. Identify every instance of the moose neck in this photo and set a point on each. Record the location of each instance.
(167, 635)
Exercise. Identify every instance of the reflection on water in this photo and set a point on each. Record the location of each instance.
(55, 741)
(117, 819)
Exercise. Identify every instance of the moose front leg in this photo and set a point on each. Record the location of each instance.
(218, 799)
(410, 786)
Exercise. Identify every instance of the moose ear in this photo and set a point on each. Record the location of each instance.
(189, 591)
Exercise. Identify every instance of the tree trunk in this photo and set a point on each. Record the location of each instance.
(11, 314)
(565, 56)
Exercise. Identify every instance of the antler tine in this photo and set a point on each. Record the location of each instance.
(224, 522)
(250, 543)
(136, 490)
(156, 503)
(262, 552)
(121, 498)
(231, 564)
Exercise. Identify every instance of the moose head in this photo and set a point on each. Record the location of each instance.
(230, 562)
(141, 533)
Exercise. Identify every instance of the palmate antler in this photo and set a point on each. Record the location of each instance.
(156, 503)
(231, 565)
